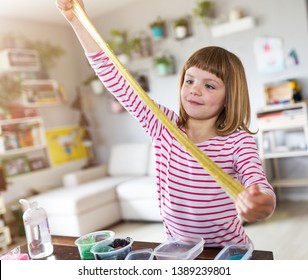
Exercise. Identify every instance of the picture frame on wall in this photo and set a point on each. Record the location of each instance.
(15, 166)
(66, 144)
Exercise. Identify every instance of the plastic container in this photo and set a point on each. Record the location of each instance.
(105, 250)
(87, 241)
(37, 230)
(144, 254)
(175, 249)
(235, 252)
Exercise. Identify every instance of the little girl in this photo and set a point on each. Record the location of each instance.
(214, 115)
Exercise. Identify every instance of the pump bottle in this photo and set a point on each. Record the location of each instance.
(37, 230)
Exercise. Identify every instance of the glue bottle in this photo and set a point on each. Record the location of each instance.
(37, 230)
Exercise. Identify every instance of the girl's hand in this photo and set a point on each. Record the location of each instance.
(254, 205)
(65, 7)
(87, 42)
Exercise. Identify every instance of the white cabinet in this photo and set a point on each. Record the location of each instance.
(23, 145)
(283, 133)
(5, 235)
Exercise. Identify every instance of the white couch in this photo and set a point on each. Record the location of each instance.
(101, 196)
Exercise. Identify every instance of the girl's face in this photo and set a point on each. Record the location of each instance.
(202, 94)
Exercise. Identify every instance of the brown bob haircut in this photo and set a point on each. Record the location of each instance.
(228, 67)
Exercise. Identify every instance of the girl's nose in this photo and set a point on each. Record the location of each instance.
(195, 90)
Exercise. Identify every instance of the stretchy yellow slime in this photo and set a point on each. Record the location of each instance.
(231, 186)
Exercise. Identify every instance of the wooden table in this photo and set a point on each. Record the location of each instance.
(65, 249)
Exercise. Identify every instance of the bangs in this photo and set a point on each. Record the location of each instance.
(213, 60)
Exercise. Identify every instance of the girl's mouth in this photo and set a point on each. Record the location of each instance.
(193, 102)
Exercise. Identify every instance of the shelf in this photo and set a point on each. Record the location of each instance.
(22, 150)
(286, 154)
(23, 145)
(290, 183)
(291, 122)
(288, 119)
(43, 105)
(282, 107)
(21, 120)
(233, 27)
(42, 93)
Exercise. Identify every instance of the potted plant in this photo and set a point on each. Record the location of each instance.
(120, 46)
(158, 28)
(163, 64)
(118, 36)
(203, 10)
(10, 89)
(181, 27)
(48, 53)
(95, 84)
(135, 45)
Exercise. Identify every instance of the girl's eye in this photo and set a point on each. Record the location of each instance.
(209, 86)
(189, 82)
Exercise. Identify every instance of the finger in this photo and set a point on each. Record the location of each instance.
(253, 197)
(64, 5)
(258, 213)
(245, 212)
(251, 210)
(254, 190)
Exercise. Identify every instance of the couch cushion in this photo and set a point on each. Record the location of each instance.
(77, 225)
(138, 200)
(68, 201)
(75, 179)
(129, 159)
(143, 187)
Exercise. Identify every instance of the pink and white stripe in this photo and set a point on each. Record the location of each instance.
(191, 202)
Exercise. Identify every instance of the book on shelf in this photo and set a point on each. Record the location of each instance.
(20, 136)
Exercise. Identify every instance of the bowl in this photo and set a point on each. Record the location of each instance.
(235, 252)
(114, 249)
(143, 254)
(87, 241)
(176, 249)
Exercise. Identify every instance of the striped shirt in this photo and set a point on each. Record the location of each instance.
(192, 204)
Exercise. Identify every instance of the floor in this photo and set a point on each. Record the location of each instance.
(285, 233)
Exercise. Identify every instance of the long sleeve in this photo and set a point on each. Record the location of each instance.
(124, 93)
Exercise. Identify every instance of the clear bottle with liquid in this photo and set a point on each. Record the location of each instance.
(37, 230)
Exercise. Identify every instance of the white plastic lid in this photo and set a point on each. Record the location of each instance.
(235, 252)
(175, 249)
(142, 254)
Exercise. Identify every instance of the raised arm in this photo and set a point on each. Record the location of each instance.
(87, 42)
